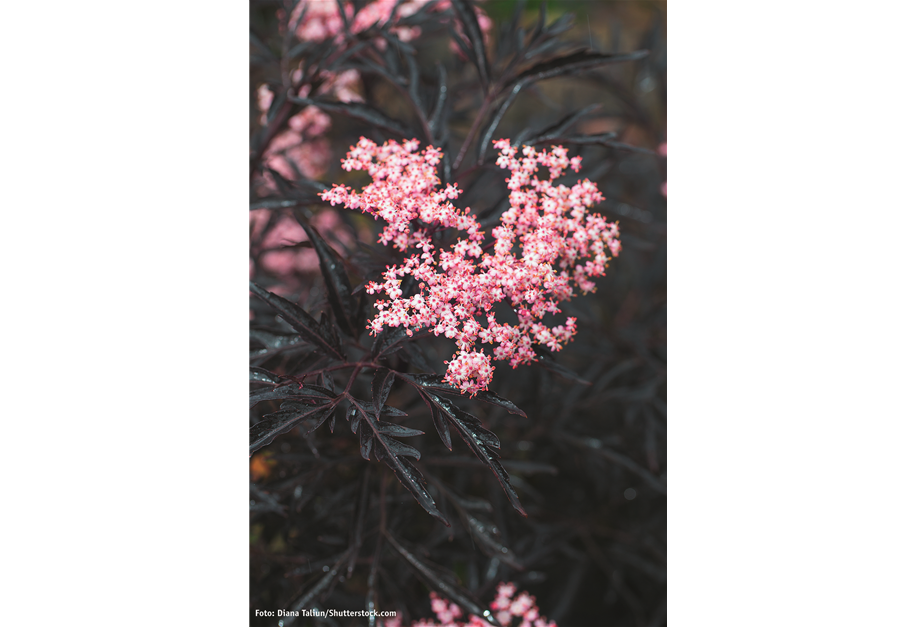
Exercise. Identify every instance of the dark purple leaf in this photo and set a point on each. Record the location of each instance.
(390, 451)
(487, 537)
(387, 410)
(389, 336)
(416, 356)
(353, 416)
(465, 11)
(343, 15)
(559, 128)
(356, 531)
(270, 339)
(594, 445)
(343, 303)
(303, 323)
(435, 382)
(366, 439)
(399, 431)
(358, 111)
(326, 380)
(291, 414)
(382, 385)
(451, 591)
(480, 441)
(462, 44)
(547, 362)
(485, 139)
(441, 427)
(322, 584)
(293, 390)
(603, 139)
(575, 62)
(436, 118)
(262, 376)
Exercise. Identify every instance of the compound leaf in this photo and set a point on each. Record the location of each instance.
(303, 323)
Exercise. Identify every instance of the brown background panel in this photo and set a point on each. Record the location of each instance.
(793, 310)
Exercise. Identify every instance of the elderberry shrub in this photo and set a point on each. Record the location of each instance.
(458, 364)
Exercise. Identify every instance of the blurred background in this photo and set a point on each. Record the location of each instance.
(589, 461)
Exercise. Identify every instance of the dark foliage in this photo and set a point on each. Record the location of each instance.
(556, 479)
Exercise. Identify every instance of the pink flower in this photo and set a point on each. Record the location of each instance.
(449, 614)
(560, 244)
(322, 19)
(285, 262)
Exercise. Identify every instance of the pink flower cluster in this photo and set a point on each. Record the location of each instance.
(558, 242)
(303, 142)
(323, 18)
(504, 605)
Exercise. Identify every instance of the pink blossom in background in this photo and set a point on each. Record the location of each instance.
(561, 244)
(504, 605)
(265, 98)
(322, 19)
(286, 232)
(301, 143)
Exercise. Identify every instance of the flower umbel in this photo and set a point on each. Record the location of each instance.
(546, 242)
(504, 605)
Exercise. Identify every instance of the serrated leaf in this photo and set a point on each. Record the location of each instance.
(389, 428)
(398, 447)
(469, 20)
(343, 304)
(303, 323)
(389, 451)
(293, 390)
(387, 410)
(382, 385)
(480, 441)
(453, 592)
(290, 415)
